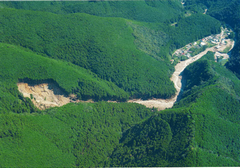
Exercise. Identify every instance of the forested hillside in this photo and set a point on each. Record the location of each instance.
(201, 129)
(115, 51)
(18, 64)
(147, 11)
(224, 10)
(227, 11)
(104, 46)
(82, 135)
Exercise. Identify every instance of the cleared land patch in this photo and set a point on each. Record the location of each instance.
(44, 94)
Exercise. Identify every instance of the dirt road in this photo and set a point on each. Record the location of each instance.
(162, 104)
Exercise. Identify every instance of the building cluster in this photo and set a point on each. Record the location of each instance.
(210, 41)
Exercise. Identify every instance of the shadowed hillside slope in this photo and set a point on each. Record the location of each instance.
(147, 11)
(227, 11)
(116, 49)
(103, 45)
(82, 135)
(112, 51)
(16, 63)
(201, 129)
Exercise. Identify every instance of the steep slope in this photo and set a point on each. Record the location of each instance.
(116, 49)
(82, 135)
(227, 11)
(113, 58)
(201, 129)
(24, 66)
(147, 11)
(103, 45)
(215, 110)
(234, 61)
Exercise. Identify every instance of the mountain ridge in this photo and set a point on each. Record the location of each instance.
(102, 57)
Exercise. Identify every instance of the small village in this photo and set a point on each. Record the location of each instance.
(219, 41)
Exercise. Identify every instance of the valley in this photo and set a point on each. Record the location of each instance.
(120, 83)
(44, 98)
(176, 78)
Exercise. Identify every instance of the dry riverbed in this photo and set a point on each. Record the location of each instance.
(47, 95)
(162, 104)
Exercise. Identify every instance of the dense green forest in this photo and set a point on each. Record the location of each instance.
(201, 129)
(147, 11)
(82, 135)
(227, 11)
(104, 46)
(116, 50)
(18, 64)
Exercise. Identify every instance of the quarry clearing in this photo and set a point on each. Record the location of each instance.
(48, 94)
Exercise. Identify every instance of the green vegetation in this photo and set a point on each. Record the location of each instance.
(19, 64)
(224, 61)
(82, 135)
(23, 145)
(215, 108)
(219, 59)
(160, 40)
(234, 61)
(208, 56)
(105, 46)
(196, 51)
(147, 11)
(227, 49)
(227, 11)
(112, 51)
(155, 142)
(193, 28)
(183, 58)
(152, 41)
(201, 129)
(116, 49)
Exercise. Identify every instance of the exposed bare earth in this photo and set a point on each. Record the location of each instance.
(221, 49)
(162, 104)
(42, 96)
(205, 11)
(48, 94)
